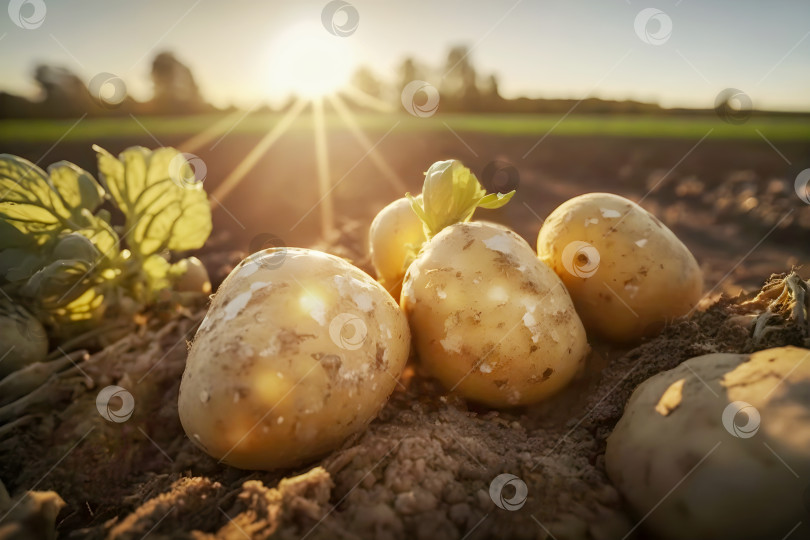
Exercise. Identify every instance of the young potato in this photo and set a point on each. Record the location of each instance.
(298, 351)
(627, 272)
(489, 320)
(395, 236)
(190, 275)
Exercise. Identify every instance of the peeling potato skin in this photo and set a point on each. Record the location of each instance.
(495, 325)
(266, 386)
(646, 276)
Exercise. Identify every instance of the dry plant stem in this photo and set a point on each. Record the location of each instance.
(42, 395)
(82, 338)
(11, 426)
(28, 379)
(789, 299)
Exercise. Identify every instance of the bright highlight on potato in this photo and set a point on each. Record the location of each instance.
(626, 271)
(290, 360)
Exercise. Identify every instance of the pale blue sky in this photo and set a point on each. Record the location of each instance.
(556, 48)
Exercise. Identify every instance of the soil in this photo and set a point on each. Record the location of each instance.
(423, 468)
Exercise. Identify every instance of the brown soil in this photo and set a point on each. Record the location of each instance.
(424, 467)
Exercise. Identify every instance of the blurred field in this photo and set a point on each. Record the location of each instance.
(726, 190)
(776, 128)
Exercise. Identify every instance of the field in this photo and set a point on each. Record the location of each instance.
(422, 469)
(776, 128)
(724, 188)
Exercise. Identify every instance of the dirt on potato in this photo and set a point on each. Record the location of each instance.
(423, 469)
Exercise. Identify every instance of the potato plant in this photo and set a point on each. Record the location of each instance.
(66, 268)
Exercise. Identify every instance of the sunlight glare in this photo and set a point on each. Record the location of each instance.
(309, 62)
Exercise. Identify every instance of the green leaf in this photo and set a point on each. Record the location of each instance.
(27, 201)
(157, 270)
(20, 264)
(161, 212)
(12, 237)
(450, 194)
(101, 234)
(59, 283)
(75, 246)
(495, 200)
(41, 206)
(76, 187)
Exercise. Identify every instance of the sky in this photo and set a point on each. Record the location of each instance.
(555, 49)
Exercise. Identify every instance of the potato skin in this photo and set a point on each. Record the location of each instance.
(742, 490)
(626, 271)
(393, 228)
(489, 320)
(298, 351)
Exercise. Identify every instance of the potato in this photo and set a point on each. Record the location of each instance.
(627, 272)
(190, 275)
(489, 320)
(298, 351)
(394, 237)
(719, 447)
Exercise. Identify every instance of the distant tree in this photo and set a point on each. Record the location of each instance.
(176, 91)
(460, 79)
(491, 87)
(63, 92)
(366, 81)
(408, 71)
(491, 100)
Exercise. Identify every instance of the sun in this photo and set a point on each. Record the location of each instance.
(309, 62)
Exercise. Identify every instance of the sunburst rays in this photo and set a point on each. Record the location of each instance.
(325, 187)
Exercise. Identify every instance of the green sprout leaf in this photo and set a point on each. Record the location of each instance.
(495, 200)
(161, 213)
(450, 194)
